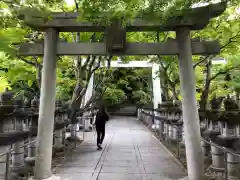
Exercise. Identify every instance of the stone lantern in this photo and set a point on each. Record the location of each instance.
(174, 123)
(12, 132)
(212, 118)
(6, 122)
(18, 150)
(86, 119)
(162, 119)
(229, 138)
(228, 120)
(30, 159)
(59, 127)
(172, 115)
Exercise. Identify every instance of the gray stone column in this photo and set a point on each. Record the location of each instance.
(32, 146)
(31, 150)
(73, 130)
(156, 85)
(194, 153)
(18, 149)
(47, 107)
(238, 130)
(58, 139)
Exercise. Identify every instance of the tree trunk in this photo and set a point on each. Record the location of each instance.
(238, 99)
(74, 108)
(164, 83)
(175, 96)
(204, 97)
(166, 89)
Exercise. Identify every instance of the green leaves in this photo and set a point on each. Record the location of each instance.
(114, 96)
(9, 37)
(124, 84)
(3, 84)
(226, 29)
(141, 97)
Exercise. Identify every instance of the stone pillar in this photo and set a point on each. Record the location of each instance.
(59, 129)
(210, 125)
(228, 130)
(220, 126)
(30, 159)
(18, 149)
(189, 105)
(86, 120)
(205, 148)
(47, 107)
(238, 130)
(183, 136)
(89, 91)
(175, 132)
(157, 97)
(217, 157)
(161, 129)
(58, 144)
(31, 151)
(232, 164)
(139, 114)
(165, 128)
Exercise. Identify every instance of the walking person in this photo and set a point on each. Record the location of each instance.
(101, 118)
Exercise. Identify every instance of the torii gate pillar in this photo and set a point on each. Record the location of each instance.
(47, 107)
(156, 86)
(189, 106)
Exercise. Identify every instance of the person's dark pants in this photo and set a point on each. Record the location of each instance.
(100, 134)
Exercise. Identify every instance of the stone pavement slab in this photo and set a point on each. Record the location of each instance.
(130, 152)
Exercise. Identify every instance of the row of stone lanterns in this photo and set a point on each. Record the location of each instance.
(221, 128)
(168, 120)
(19, 123)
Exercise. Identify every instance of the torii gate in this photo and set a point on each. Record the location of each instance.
(115, 44)
(156, 86)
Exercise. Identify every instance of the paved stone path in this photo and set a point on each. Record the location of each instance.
(130, 153)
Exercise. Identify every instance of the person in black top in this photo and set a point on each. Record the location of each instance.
(101, 118)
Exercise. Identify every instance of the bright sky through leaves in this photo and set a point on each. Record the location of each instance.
(70, 2)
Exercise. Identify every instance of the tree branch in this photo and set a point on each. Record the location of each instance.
(166, 36)
(105, 77)
(92, 39)
(164, 39)
(86, 62)
(4, 69)
(201, 61)
(161, 62)
(194, 34)
(230, 40)
(223, 72)
(109, 61)
(76, 5)
(26, 61)
(168, 65)
(98, 65)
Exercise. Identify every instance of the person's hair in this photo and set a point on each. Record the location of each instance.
(102, 110)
